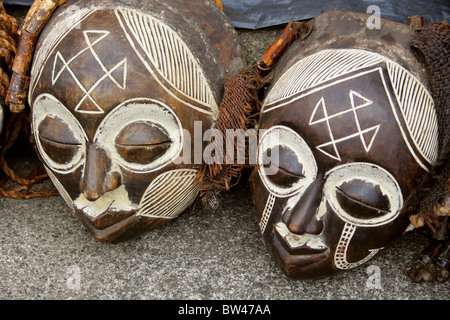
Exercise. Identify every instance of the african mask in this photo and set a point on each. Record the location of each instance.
(2, 119)
(348, 130)
(116, 90)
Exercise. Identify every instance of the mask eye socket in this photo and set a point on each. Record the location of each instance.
(289, 169)
(60, 139)
(362, 200)
(142, 134)
(286, 163)
(363, 194)
(142, 142)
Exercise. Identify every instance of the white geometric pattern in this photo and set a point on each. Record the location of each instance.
(170, 194)
(340, 256)
(267, 212)
(325, 66)
(418, 110)
(161, 49)
(321, 114)
(117, 74)
(415, 102)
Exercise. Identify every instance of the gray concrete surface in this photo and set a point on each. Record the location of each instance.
(45, 253)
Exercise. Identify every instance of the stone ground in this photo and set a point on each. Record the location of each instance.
(46, 254)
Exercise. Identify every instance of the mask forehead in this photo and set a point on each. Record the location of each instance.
(351, 110)
(94, 68)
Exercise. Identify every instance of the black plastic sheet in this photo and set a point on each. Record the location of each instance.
(255, 14)
(19, 2)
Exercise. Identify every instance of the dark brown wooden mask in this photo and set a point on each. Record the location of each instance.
(116, 91)
(2, 120)
(348, 129)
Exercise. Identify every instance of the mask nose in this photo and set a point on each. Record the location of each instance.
(98, 178)
(302, 217)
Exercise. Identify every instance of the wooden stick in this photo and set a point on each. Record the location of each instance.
(292, 31)
(37, 17)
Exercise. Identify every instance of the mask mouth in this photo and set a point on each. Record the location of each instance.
(296, 244)
(109, 226)
(106, 219)
(116, 227)
(114, 218)
(107, 215)
(115, 201)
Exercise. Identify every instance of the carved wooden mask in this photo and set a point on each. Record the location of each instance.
(349, 128)
(2, 120)
(115, 90)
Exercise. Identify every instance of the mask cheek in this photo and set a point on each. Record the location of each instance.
(62, 191)
(67, 184)
(357, 244)
(169, 194)
(380, 236)
(323, 214)
(268, 206)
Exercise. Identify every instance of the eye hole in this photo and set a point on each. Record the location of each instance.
(287, 166)
(58, 141)
(363, 194)
(142, 134)
(362, 199)
(142, 142)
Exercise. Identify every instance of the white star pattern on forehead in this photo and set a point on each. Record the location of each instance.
(117, 74)
(321, 114)
(410, 95)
